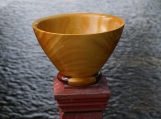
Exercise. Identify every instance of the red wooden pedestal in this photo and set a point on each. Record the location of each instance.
(81, 102)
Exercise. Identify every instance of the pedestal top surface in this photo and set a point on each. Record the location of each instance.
(99, 90)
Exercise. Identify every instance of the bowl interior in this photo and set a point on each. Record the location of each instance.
(80, 23)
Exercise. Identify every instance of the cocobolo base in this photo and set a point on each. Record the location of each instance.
(81, 102)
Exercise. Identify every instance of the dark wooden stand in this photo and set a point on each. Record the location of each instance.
(81, 102)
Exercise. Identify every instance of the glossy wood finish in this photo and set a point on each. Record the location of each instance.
(79, 81)
(78, 44)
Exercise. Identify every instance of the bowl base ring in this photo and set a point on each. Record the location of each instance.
(83, 81)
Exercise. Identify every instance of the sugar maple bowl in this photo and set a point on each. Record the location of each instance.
(78, 44)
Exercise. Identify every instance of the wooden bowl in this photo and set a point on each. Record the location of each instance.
(79, 44)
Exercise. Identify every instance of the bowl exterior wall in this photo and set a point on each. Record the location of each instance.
(78, 55)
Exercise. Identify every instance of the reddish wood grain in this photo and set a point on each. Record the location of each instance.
(83, 102)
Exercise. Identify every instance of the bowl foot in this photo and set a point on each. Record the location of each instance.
(85, 81)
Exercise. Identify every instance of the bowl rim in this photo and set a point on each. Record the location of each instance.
(36, 22)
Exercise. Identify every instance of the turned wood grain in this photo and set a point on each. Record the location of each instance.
(78, 44)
